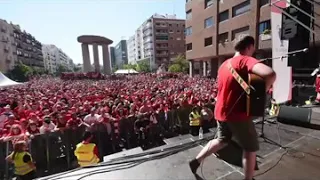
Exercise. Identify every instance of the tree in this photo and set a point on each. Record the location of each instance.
(61, 69)
(130, 66)
(20, 72)
(76, 68)
(143, 66)
(175, 68)
(180, 64)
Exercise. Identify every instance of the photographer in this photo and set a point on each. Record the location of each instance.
(47, 126)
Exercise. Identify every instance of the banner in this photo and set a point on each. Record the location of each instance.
(282, 87)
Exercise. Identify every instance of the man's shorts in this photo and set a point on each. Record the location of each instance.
(243, 132)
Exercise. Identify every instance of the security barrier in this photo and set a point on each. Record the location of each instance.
(54, 152)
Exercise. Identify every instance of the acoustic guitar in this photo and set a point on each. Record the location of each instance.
(256, 100)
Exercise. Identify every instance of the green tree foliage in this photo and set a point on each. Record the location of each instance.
(180, 64)
(143, 66)
(20, 72)
(130, 66)
(76, 68)
(61, 69)
(175, 68)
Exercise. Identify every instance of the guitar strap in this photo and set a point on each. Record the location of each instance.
(238, 78)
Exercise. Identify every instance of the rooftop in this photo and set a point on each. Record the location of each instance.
(90, 39)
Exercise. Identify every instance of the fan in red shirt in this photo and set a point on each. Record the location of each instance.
(230, 111)
(318, 88)
(10, 122)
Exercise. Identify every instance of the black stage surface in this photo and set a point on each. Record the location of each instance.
(299, 158)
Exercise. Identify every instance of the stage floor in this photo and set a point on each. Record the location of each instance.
(300, 159)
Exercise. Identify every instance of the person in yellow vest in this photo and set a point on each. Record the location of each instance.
(22, 160)
(195, 121)
(87, 152)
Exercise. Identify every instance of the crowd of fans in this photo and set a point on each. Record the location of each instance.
(49, 104)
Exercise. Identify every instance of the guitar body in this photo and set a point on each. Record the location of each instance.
(257, 98)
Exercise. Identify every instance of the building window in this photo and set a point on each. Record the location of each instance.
(189, 47)
(188, 31)
(264, 2)
(208, 41)
(223, 16)
(208, 22)
(178, 38)
(241, 8)
(189, 15)
(208, 3)
(240, 32)
(264, 26)
(223, 38)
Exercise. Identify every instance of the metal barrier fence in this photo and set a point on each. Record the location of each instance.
(54, 152)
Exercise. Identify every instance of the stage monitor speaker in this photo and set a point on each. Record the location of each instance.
(294, 115)
(232, 154)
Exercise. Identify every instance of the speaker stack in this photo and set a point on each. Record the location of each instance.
(298, 36)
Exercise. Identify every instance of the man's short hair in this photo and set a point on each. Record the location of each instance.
(86, 135)
(244, 43)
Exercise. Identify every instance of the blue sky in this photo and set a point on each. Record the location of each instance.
(59, 22)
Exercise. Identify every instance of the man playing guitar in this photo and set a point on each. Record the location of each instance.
(230, 110)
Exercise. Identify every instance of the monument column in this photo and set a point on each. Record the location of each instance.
(96, 58)
(106, 59)
(86, 58)
(205, 69)
(191, 66)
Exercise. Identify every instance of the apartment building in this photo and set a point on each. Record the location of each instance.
(112, 57)
(17, 45)
(159, 39)
(121, 54)
(131, 49)
(55, 57)
(28, 49)
(213, 26)
(8, 56)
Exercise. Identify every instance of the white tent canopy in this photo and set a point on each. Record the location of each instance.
(126, 71)
(5, 82)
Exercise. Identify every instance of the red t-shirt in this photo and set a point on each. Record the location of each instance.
(318, 84)
(229, 90)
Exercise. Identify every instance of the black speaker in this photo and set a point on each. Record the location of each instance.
(232, 154)
(295, 115)
(298, 36)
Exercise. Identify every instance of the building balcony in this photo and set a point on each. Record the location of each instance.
(8, 60)
(6, 49)
(162, 40)
(161, 27)
(162, 47)
(147, 33)
(162, 54)
(161, 33)
(25, 61)
(146, 28)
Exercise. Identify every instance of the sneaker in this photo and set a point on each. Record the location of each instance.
(194, 164)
